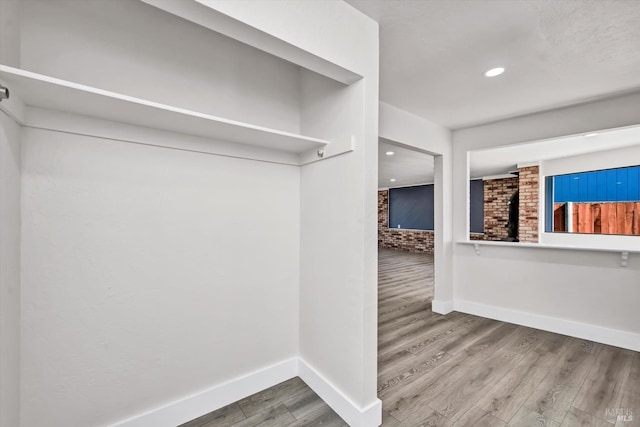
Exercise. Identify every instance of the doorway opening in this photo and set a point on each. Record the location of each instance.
(406, 245)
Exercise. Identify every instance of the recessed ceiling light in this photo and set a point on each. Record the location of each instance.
(494, 72)
(589, 135)
(392, 180)
(389, 153)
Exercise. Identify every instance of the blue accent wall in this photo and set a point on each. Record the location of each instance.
(476, 206)
(412, 207)
(610, 185)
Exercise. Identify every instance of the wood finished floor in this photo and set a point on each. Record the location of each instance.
(460, 370)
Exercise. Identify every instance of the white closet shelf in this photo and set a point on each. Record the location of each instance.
(37, 90)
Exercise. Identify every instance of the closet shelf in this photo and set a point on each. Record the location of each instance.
(37, 90)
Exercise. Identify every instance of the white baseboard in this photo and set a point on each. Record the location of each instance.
(201, 403)
(352, 414)
(442, 307)
(615, 337)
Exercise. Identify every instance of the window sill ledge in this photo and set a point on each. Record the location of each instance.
(624, 253)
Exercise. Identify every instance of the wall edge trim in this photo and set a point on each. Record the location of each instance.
(615, 337)
(352, 413)
(442, 307)
(195, 405)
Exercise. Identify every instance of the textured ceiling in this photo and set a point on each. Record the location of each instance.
(406, 166)
(556, 52)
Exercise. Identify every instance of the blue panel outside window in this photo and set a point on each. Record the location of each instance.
(633, 184)
(610, 185)
(621, 184)
(592, 185)
(583, 187)
(574, 186)
(601, 191)
(558, 187)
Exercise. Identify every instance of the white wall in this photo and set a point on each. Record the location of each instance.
(10, 32)
(152, 274)
(89, 196)
(338, 281)
(137, 286)
(420, 134)
(9, 271)
(607, 159)
(332, 275)
(585, 292)
(9, 230)
(149, 274)
(329, 29)
(133, 48)
(338, 286)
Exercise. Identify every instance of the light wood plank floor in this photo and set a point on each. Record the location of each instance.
(463, 370)
(460, 370)
(290, 403)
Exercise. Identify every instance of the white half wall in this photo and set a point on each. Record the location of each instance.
(9, 272)
(587, 288)
(149, 274)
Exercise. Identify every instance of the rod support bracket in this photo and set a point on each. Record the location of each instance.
(4, 93)
(624, 259)
(476, 246)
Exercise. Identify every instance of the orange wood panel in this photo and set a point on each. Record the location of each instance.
(588, 218)
(628, 218)
(597, 219)
(611, 220)
(620, 216)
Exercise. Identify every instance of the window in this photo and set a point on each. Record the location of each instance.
(595, 202)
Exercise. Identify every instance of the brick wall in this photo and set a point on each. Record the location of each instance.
(406, 240)
(497, 193)
(529, 183)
